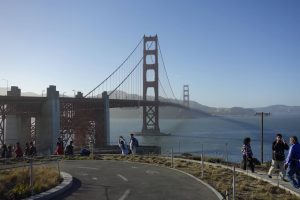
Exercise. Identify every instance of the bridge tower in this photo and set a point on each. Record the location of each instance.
(150, 64)
(186, 95)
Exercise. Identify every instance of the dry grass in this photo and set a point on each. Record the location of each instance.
(218, 177)
(14, 183)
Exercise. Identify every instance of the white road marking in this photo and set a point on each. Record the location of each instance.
(134, 167)
(123, 177)
(152, 172)
(126, 193)
(93, 168)
(95, 178)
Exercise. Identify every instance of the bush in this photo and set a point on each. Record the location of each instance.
(15, 183)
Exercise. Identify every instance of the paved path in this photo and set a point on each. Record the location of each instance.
(275, 180)
(115, 180)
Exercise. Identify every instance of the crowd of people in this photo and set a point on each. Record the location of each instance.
(16, 150)
(30, 150)
(288, 166)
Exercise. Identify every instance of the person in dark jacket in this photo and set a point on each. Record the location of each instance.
(4, 151)
(247, 154)
(69, 149)
(26, 149)
(32, 149)
(278, 157)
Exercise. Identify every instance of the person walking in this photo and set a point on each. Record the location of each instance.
(292, 163)
(278, 157)
(133, 144)
(247, 155)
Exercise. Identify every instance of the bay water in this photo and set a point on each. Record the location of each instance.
(217, 136)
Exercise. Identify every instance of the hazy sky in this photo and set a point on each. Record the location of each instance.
(231, 53)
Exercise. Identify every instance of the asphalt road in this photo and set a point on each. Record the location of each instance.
(116, 180)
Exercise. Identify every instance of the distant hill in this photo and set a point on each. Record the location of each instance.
(164, 112)
(31, 94)
(222, 111)
(279, 109)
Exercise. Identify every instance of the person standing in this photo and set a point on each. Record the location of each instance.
(32, 149)
(61, 142)
(133, 144)
(18, 151)
(247, 155)
(70, 149)
(26, 149)
(123, 146)
(9, 151)
(59, 150)
(292, 163)
(278, 157)
(4, 151)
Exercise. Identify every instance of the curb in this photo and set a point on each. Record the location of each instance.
(61, 188)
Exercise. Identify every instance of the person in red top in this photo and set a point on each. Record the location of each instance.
(59, 150)
(18, 151)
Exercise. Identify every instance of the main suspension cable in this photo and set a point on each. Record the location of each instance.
(166, 70)
(116, 69)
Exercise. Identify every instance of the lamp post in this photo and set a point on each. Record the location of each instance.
(6, 84)
(262, 114)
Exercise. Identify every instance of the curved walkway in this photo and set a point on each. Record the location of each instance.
(99, 179)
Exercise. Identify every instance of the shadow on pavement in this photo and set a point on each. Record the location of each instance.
(75, 186)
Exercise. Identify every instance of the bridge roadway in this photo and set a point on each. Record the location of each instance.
(114, 103)
(25, 104)
(116, 180)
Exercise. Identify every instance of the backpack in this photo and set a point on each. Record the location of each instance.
(135, 142)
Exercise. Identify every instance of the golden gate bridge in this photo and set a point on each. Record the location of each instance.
(136, 82)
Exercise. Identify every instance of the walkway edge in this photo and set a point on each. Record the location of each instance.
(53, 192)
(206, 184)
(218, 194)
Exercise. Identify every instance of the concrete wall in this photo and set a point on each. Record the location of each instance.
(106, 117)
(17, 127)
(49, 122)
(13, 129)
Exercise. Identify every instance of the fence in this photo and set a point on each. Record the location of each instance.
(215, 146)
(227, 152)
(206, 171)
